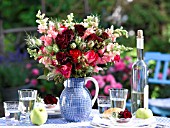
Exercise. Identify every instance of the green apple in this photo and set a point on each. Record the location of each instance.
(39, 115)
(144, 113)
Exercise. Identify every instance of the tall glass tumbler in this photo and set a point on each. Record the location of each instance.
(118, 98)
(27, 99)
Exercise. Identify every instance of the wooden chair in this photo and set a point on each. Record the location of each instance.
(159, 106)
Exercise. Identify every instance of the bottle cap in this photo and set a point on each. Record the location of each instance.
(140, 33)
(140, 39)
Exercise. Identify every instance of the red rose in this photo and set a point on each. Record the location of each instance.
(62, 57)
(75, 53)
(65, 38)
(66, 70)
(105, 35)
(80, 29)
(93, 37)
(91, 57)
(50, 99)
(117, 58)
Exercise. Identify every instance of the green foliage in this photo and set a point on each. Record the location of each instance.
(151, 16)
(13, 75)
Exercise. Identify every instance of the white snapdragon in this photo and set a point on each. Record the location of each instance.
(69, 22)
(91, 21)
(42, 21)
(38, 42)
(70, 17)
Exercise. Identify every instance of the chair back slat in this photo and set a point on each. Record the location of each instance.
(157, 69)
(162, 65)
(165, 70)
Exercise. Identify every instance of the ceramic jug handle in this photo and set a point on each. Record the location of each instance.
(96, 88)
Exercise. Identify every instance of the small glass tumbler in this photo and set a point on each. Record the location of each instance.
(103, 103)
(27, 99)
(12, 112)
(118, 98)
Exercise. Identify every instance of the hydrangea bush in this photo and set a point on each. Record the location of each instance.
(117, 76)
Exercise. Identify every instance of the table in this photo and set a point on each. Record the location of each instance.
(59, 122)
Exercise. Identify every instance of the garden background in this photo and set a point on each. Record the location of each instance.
(17, 18)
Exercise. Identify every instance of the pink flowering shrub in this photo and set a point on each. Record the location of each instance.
(32, 75)
(16, 74)
(117, 76)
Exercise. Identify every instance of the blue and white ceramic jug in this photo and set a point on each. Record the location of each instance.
(75, 99)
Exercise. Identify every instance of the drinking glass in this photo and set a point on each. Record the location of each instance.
(27, 98)
(118, 98)
(12, 113)
(103, 103)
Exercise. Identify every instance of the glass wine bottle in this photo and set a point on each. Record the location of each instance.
(139, 87)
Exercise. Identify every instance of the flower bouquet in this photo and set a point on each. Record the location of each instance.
(74, 49)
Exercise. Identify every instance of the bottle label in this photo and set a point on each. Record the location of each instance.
(140, 44)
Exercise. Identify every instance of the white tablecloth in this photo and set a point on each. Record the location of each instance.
(59, 122)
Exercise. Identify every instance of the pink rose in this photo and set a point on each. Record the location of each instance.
(91, 57)
(66, 70)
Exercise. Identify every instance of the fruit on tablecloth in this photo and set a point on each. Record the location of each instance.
(107, 113)
(125, 114)
(144, 113)
(39, 115)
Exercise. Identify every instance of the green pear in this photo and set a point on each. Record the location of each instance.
(39, 115)
(144, 113)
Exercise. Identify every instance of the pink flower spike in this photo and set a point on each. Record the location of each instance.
(42, 28)
(47, 40)
(27, 80)
(34, 82)
(35, 72)
(28, 66)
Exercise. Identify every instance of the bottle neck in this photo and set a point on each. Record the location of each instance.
(139, 54)
(140, 47)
